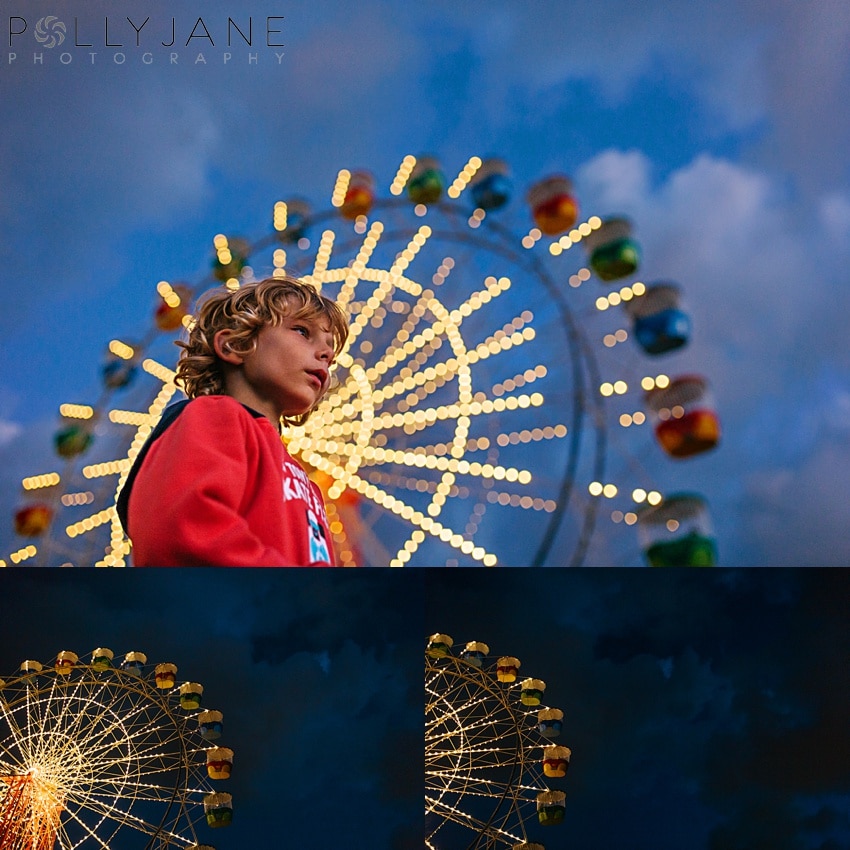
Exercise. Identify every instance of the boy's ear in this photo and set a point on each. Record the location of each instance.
(223, 349)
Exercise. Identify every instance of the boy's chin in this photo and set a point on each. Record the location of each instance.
(301, 411)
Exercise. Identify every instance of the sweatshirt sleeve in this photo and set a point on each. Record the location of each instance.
(189, 501)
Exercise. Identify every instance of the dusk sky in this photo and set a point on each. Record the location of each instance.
(720, 129)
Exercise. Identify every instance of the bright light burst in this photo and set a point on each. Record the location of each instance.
(87, 750)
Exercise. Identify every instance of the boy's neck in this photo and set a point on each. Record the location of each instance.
(247, 397)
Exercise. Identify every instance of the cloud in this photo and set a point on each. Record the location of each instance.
(835, 216)
(809, 75)
(8, 431)
(795, 513)
(615, 181)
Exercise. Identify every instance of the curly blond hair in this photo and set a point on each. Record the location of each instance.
(246, 311)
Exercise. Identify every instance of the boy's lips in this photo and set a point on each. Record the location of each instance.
(320, 375)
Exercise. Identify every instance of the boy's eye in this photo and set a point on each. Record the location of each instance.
(302, 330)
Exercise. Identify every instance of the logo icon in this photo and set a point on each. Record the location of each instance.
(50, 31)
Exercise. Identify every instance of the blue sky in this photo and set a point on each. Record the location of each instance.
(720, 129)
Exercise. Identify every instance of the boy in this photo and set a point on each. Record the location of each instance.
(214, 485)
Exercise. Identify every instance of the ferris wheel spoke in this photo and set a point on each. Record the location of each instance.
(402, 348)
(400, 481)
(126, 787)
(110, 810)
(139, 782)
(504, 791)
(30, 711)
(479, 787)
(12, 752)
(147, 743)
(420, 458)
(63, 839)
(87, 830)
(108, 720)
(133, 776)
(124, 818)
(131, 750)
(417, 518)
(481, 754)
(361, 261)
(473, 823)
(88, 716)
(142, 752)
(472, 726)
(70, 689)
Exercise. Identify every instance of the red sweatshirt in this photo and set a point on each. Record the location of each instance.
(218, 488)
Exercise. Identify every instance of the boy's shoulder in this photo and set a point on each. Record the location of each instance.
(202, 407)
(205, 408)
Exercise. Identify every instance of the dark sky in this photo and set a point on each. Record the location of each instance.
(704, 709)
(317, 674)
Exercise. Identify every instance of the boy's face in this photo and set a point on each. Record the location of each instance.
(288, 371)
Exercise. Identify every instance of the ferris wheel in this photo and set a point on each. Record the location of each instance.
(473, 398)
(489, 756)
(92, 749)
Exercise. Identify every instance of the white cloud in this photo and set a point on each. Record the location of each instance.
(8, 431)
(809, 78)
(834, 214)
(725, 234)
(798, 516)
(615, 181)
